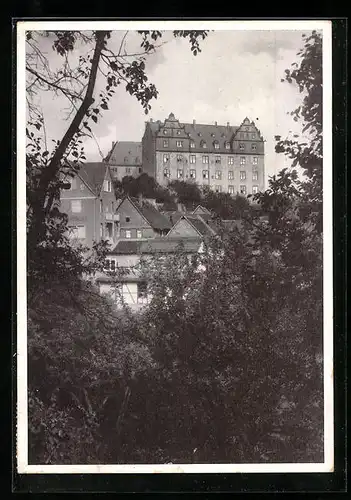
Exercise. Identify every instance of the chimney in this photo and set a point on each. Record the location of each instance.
(216, 124)
(113, 143)
(228, 124)
(194, 123)
(151, 120)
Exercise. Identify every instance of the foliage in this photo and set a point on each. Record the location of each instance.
(226, 206)
(187, 193)
(142, 185)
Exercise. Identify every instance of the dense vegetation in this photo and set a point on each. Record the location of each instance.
(224, 365)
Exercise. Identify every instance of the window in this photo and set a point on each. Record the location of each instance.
(192, 144)
(76, 206)
(255, 160)
(230, 175)
(203, 144)
(142, 292)
(242, 189)
(139, 169)
(127, 170)
(165, 143)
(254, 189)
(230, 160)
(165, 131)
(241, 146)
(218, 189)
(242, 175)
(179, 158)
(192, 174)
(73, 184)
(253, 136)
(81, 187)
(165, 158)
(107, 186)
(178, 132)
(218, 159)
(192, 158)
(166, 173)
(77, 232)
(255, 175)
(253, 147)
(127, 219)
(218, 175)
(216, 145)
(205, 174)
(101, 207)
(179, 173)
(231, 189)
(109, 229)
(110, 265)
(139, 233)
(227, 145)
(242, 160)
(128, 234)
(205, 159)
(179, 144)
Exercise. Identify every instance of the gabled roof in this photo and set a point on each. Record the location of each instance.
(125, 153)
(150, 213)
(201, 210)
(198, 224)
(156, 245)
(93, 174)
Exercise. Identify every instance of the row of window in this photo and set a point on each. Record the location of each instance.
(203, 144)
(128, 170)
(231, 189)
(205, 159)
(205, 174)
(242, 135)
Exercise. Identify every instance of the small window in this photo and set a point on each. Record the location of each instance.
(203, 144)
(142, 292)
(165, 132)
(227, 145)
(128, 234)
(192, 144)
(255, 176)
(178, 132)
(192, 158)
(192, 174)
(218, 159)
(218, 189)
(242, 160)
(110, 265)
(127, 219)
(242, 175)
(254, 189)
(218, 175)
(205, 174)
(231, 189)
(230, 160)
(73, 184)
(127, 170)
(253, 147)
(139, 170)
(81, 186)
(166, 172)
(255, 160)
(205, 159)
(230, 175)
(179, 158)
(165, 143)
(165, 158)
(76, 206)
(242, 189)
(107, 186)
(253, 136)
(179, 173)
(179, 144)
(216, 145)
(139, 233)
(241, 146)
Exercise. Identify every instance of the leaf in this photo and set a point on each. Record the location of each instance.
(94, 118)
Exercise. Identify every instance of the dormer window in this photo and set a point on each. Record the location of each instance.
(216, 144)
(212, 135)
(227, 145)
(125, 159)
(179, 144)
(241, 146)
(253, 147)
(165, 143)
(203, 144)
(253, 136)
(192, 144)
(165, 132)
(178, 132)
(179, 158)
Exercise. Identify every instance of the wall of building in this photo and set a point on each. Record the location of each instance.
(136, 221)
(183, 228)
(120, 171)
(129, 292)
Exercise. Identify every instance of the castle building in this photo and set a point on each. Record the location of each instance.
(124, 159)
(225, 158)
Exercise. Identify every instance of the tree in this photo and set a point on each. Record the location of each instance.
(142, 185)
(187, 193)
(225, 205)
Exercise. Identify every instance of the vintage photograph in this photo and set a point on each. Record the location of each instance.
(174, 246)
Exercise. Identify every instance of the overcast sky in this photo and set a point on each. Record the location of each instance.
(237, 74)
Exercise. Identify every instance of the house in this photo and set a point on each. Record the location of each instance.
(90, 204)
(140, 218)
(191, 226)
(123, 280)
(224, 158)
(125, 159)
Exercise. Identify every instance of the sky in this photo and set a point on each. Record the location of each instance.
(237, 74)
